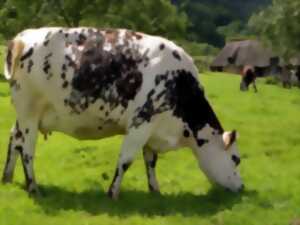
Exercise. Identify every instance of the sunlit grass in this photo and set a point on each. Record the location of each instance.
(74, 175)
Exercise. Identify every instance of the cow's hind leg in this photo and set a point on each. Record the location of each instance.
(12, 156)
(254, 86)
(22, 141)
(150, 159)
(133, 142)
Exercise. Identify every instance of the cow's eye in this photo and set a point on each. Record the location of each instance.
(236, 159)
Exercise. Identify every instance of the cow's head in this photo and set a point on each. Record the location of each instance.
(218, 157)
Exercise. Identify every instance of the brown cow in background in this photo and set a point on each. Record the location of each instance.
(248, 77)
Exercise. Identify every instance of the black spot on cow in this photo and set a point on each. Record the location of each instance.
(64, 67)
(18, 134)
(185, 98)
(128, 86)
(48, 35)
(65, 84)
(190, 103)
(63, 76)
(19, 148)
(27, 158)
(47, 39)
(161, 94)
(152, 92)
(46, 67)
(152, 163)
(48, 56)
(70, 61)
(157, 80)
(201, 142)
(125, 166)
(81, 39)
(161, 46)
(186, 133)
(112, 76)
(45, 43)
(27, 54)
(101, 107)
(176, 55)
(85, 104)
(144, 113)
(66, 102)
(30, 65)
(236, 160)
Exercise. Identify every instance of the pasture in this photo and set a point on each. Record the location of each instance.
(74, 175)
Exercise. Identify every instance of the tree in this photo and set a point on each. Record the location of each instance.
(207, 16)
(279, 26)
(154, 17)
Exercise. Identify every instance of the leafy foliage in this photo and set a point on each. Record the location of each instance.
(212, 20)
(207, 21)
(279, 26)
(154, 17)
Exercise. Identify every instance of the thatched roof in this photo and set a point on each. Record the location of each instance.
(240, 53)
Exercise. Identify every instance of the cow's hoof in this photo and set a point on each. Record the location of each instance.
(113, 195)
(7, 178)
(154, 189)
(34, 191)
(155, 192)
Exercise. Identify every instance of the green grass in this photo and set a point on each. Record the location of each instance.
(73, 174)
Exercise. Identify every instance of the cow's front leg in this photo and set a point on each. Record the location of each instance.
(254, 86)
(133, 142)
(150, 159)
(22, 141)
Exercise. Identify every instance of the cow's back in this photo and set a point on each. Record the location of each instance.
(89, 82)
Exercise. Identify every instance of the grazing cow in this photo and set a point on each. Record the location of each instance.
(297, 74)
(248, 77)
(286, 77)
(91, 83)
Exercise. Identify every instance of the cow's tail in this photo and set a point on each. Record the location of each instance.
(13, 55)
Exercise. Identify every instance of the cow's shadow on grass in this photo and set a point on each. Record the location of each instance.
(56, 199)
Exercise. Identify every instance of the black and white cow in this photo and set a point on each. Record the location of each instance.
(91, 83)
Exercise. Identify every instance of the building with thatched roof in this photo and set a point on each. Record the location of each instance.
(237, 54)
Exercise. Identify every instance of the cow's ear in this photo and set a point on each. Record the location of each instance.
(229, 137)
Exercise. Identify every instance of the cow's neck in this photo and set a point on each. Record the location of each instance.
(193, 107)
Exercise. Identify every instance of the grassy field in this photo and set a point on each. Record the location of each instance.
(74, 175)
